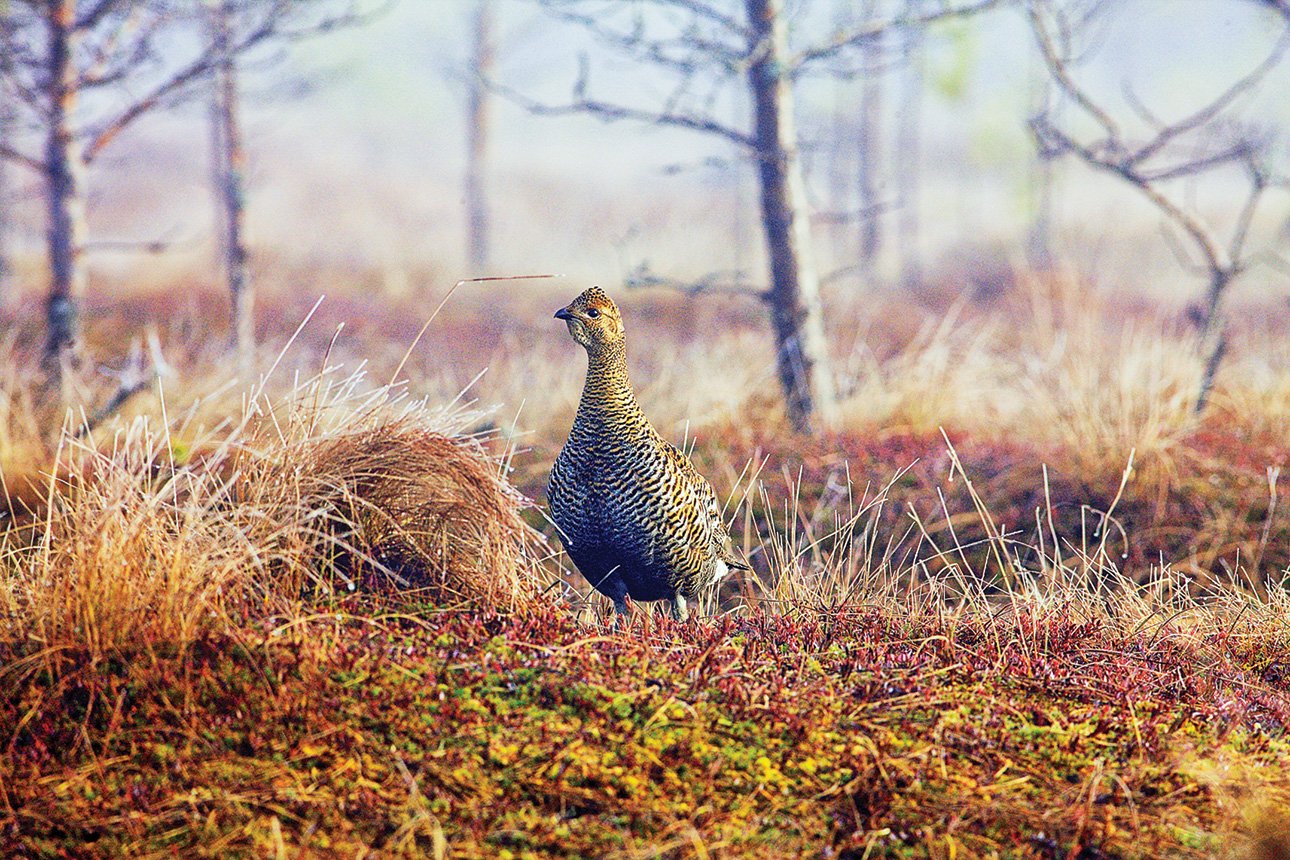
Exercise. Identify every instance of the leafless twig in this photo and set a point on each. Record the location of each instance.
(724, 282)
(134, 376)
(847, 39)
(581, 103)
(1194, 145)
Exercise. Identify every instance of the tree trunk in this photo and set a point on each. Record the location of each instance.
(909, 145)
(478, 220)
(841, 167)
(794, 296)
(65, 194)
(1214, 347)
(1039, 242)
(6, 204)
(1039, 238)
(1212, 335)
(868, 153)
(230, 165)
(841, 156)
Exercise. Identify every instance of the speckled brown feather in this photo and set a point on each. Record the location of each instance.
(634, 514)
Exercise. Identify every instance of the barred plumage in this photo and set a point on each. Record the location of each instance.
(634, 514)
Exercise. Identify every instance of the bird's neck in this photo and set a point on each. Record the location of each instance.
(607, 393)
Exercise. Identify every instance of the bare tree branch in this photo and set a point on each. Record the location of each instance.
(843, 41)
(1258, 185)
(95, 14)
(1057, 63)
(134, 376)
(122, 48)
(728, 283)
(113, 127)
(1197, 144)
(1113, 155)
(686, 50)
(700, 11)
(169, 88)
(852, 215)
(1168, 133)
(141, 246)
(11, 154)
(1058, 141)
(1182, 253)
(706, 12)
(609, 112)
(1237, 152)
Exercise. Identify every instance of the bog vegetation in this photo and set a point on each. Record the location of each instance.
(1023, 603)
(1019, 548)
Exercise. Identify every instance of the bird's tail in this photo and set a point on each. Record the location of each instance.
(734, 560)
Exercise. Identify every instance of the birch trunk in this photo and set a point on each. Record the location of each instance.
(841, 157)
(478, 220)
(794, 296)
(65, 195)
(230, 166)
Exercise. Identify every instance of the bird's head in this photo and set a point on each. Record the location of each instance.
(593, 320)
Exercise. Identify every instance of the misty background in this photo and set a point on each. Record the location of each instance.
(356, 147)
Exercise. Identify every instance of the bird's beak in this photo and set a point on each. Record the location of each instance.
(563, 314)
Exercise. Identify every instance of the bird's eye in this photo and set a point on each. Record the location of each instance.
(593, 313)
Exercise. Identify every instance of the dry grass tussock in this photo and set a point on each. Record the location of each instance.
(407, 507)
(334, 484)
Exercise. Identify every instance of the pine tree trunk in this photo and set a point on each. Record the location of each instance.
(65, 195)
(230, 161)
(478, 220)
(796, 312)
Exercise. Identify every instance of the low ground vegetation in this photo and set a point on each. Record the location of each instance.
(1022, 603)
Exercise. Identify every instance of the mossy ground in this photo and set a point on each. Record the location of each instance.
(471, 734)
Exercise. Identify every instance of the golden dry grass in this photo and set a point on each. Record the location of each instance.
(413, 506)
(164, 531)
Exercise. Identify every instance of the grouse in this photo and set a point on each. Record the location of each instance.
(633, 513)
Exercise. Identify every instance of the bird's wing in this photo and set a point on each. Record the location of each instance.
(709, 506)
(683, 464)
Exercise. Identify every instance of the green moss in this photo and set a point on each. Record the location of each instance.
(755, 738)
